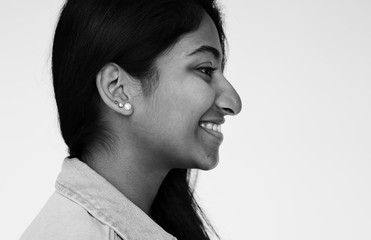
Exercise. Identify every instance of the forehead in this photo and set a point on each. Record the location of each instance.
(206, 35)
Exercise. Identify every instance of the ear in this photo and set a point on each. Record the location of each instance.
(113, 85)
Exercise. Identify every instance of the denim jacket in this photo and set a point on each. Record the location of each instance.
(87, 206)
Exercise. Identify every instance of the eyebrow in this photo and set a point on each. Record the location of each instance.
(208, 49)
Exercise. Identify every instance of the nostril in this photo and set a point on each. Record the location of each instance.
(228, 111)
(228, 102)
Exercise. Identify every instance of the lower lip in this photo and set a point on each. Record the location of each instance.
(217, 135)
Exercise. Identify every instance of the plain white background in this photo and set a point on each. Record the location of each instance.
(295, 164)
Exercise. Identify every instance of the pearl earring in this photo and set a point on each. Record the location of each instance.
(127, 106)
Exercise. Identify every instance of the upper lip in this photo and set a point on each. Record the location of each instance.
(215, 120)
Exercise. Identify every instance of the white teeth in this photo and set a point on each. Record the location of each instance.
(211, 126)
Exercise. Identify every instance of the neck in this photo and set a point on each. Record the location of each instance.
(138, 179)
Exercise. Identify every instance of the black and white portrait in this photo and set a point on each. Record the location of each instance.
(185, 119)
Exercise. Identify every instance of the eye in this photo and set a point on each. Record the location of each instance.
(207, 70)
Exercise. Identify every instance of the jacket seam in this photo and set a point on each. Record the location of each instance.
(88, 206)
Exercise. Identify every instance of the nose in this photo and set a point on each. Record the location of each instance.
(228, 100)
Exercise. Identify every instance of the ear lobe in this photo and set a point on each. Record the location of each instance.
(111, 83)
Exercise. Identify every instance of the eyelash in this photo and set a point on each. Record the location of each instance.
(207, 70)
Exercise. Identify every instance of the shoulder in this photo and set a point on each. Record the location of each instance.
(61, 218)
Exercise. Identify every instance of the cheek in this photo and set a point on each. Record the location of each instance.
(170, 120)
(184, 98)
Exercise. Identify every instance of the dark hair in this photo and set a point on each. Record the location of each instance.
(132, 34)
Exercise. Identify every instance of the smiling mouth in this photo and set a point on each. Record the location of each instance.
(212, 128)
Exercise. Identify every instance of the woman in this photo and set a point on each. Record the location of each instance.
(141, 95)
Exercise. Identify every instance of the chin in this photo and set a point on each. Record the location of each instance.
(208, 163)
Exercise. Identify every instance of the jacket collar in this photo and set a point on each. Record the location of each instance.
(78, 182)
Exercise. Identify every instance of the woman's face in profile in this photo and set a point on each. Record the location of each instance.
(179, 123)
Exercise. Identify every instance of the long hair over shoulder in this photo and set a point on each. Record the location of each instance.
(132, 34)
